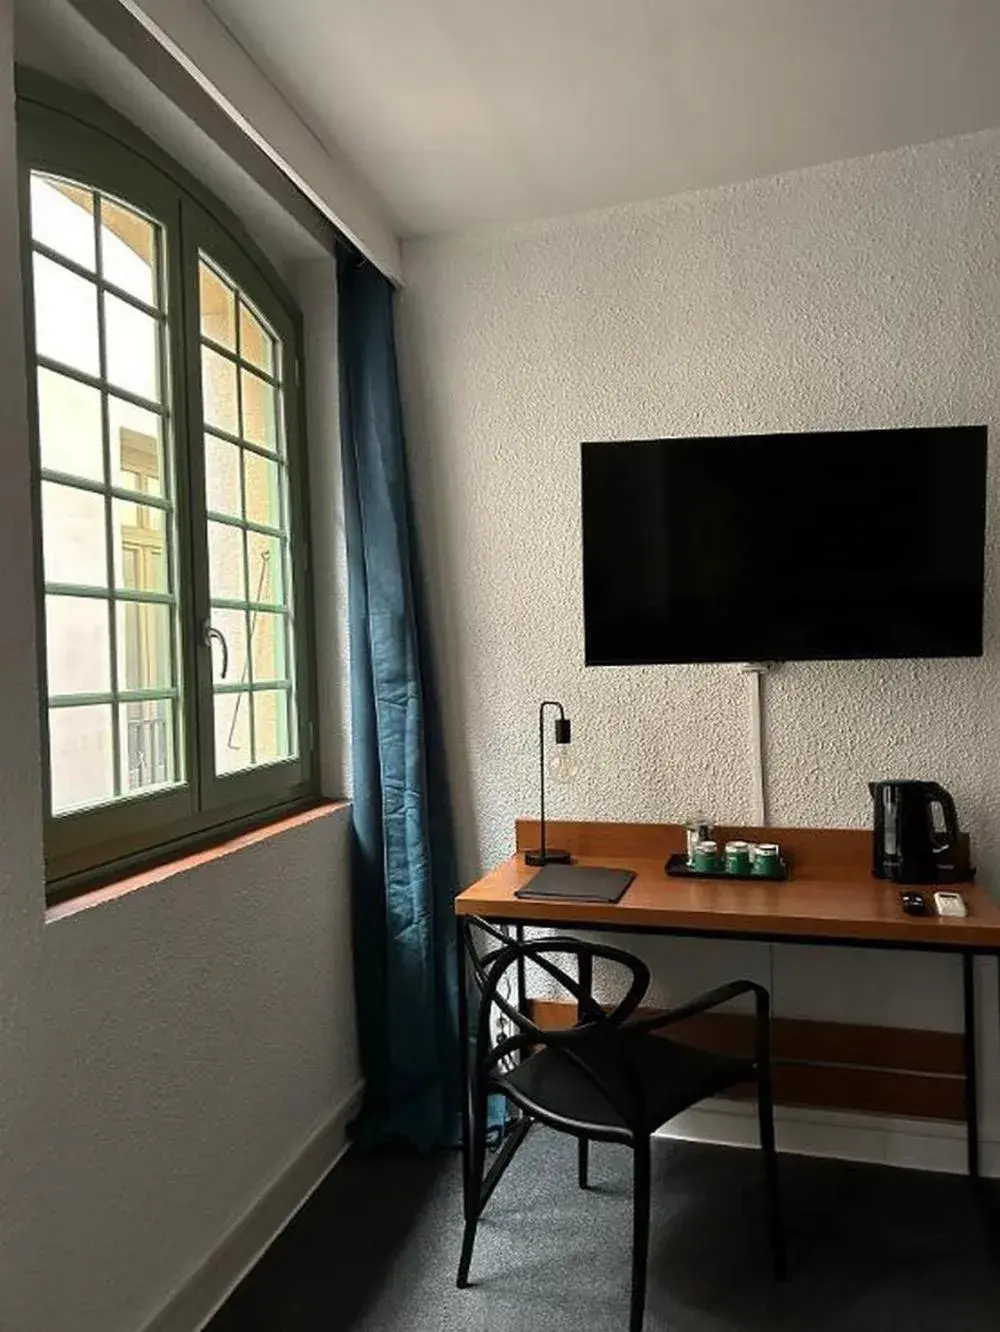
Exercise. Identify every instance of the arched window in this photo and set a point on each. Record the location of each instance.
(164, 383)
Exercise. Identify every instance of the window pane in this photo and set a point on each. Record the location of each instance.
(128, 251)
(136, 447)
(74, 541)
(232, 624)
(143, 641)
(77, 646)
(69, 426)
(131, 344)
(268, 639)
(267, 582)
(62, 217)
(218, 308)
(259, 407)
(226, 579)
(232, 733)
(146, 732)
(65, 316)
(262, 480)
(140, 547)
(81, 756)
(218, 386)
(256, 343)
(222, 476)
(270, 723)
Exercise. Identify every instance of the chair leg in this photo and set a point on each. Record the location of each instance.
(765, 1111)
(474, 1187)
(641, 1169)
(583, 1161)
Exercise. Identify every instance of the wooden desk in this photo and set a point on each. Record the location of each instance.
(831, 899)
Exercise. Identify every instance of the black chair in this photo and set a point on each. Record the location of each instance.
(606, 1079)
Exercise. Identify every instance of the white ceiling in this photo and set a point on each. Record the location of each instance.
(470, 112)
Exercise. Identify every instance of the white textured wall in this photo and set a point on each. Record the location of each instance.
(866, 293)
(162, 1056)
(195, 1035)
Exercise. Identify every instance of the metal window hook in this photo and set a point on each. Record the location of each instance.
(208, 632)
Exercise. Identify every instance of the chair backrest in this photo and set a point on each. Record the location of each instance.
(491, 968)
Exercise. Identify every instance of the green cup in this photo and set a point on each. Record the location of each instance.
(737, 857)
(766, 860)
(706, 857)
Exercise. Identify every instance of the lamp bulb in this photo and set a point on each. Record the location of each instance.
(563, 767)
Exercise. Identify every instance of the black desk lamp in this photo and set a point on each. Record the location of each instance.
(547, 855)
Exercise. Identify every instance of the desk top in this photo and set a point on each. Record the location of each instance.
(831, 895)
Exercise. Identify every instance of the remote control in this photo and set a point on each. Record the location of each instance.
(914, 904)
(950, 904)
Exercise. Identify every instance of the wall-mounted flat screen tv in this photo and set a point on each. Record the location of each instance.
(794, 547)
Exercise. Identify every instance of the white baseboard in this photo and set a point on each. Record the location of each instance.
(202, 1292)
(917, 1144)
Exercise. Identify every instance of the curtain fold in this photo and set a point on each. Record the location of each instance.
(404, 876)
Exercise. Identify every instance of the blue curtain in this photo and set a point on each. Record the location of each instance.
(404, 874)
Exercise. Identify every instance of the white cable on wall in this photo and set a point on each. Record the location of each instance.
(755, 672)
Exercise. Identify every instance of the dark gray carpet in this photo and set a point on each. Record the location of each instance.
(873, 1249)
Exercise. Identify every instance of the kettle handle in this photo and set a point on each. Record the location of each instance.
(938, 795)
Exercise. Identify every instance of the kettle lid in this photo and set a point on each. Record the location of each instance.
(903, 784)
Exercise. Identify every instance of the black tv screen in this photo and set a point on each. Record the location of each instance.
(791, 547)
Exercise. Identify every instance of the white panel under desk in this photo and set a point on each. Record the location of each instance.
(891, 988)
(878, 987)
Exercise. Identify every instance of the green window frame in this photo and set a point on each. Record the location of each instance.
(172, 560)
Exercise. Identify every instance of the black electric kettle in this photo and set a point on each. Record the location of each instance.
(917, 838)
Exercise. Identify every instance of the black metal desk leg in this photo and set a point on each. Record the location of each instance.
(522, 1006)
(971, 1090)
(586, 979)
(522, 981)
(585, 968)
(463, 1062)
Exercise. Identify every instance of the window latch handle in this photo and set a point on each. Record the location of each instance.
(209, 632)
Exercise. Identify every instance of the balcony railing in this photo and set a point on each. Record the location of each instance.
(148, 752)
